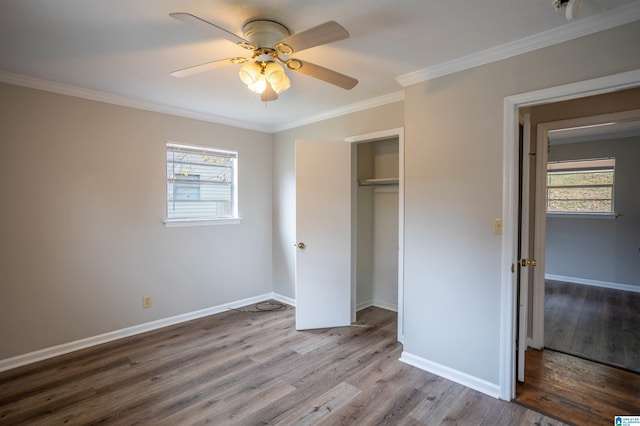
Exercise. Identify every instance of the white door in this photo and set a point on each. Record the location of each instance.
(323, 233)
(523, 285)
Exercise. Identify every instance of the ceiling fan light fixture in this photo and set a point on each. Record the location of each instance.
(265, 71)
(273, 72)
(259, 86)
(250, 73)
(282, 85)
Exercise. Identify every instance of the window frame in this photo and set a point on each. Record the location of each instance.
(577, 166)
(204, 220)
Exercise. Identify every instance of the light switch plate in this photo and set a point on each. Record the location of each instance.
(497, 225)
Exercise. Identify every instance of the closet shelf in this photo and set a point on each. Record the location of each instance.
(378, 182)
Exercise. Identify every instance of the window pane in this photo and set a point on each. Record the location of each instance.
(578, 193)
(580, 178)
(183, 191)
(200, 183)
(584, 206)
(581, 186)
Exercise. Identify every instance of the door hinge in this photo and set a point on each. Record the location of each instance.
(527, 262)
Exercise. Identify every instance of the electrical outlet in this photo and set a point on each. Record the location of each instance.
(146, 302)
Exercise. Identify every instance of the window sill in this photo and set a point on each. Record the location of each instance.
(584, 215)
(176, 223)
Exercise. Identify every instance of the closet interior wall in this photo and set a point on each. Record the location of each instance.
(377, 225)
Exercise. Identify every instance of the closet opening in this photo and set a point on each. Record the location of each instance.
(377, 217)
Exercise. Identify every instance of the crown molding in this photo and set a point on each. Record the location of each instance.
(358, 106)
(95, 95)
(572, 30)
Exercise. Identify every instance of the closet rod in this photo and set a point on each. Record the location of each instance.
(378, 182)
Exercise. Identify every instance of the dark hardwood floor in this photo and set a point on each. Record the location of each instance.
(586, 375)
(245, 368)
(579, 391)
(596, 323)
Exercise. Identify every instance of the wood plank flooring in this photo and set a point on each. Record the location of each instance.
(579, 391)
(246, 368)
(596, 323)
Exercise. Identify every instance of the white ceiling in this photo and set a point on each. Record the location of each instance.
(127, 48)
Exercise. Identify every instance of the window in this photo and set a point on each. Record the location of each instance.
(581, 186)
(201, 183)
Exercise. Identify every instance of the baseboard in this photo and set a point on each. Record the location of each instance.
(364, 305)
(377, 303)
(53, 351)
(464, 379)
(283, 299)
(595, 283)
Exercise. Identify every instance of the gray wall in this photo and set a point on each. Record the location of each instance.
(595, 248)
(82, 238)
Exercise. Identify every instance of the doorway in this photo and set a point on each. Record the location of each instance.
(577, 241)
(378, 222)
(595, 250)
(377, 210)
(512, 106)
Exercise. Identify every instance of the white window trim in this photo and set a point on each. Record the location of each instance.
(178, 223)
(574, 215)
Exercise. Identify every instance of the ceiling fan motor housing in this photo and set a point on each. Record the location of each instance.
(264, 33)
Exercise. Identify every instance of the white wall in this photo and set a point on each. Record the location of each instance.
(385, 247)
(82, 239)
(364, 222)
(594, 248)
(453, 190)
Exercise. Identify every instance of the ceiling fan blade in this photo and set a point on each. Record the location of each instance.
(197, 69)
(327, 75)
(269, 94)
(212, 28)
(322, 34)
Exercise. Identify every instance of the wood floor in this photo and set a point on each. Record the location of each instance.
(245, 368)
(579, 391)
(596, 323)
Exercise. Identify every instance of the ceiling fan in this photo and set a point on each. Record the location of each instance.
(270, 44)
